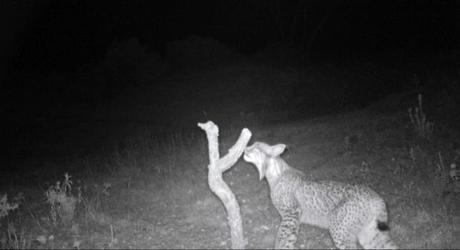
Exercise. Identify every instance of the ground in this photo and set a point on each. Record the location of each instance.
(156, 193)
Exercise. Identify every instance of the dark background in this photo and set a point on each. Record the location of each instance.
(68, 63)
(62, 35)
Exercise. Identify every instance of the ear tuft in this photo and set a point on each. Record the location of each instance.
(277, 149)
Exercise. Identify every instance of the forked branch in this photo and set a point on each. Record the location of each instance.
(216, 167)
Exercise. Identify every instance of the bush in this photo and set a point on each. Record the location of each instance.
(62, 202)
(198, 52)
(128, 61)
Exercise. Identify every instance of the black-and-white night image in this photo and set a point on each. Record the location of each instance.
(230, 124)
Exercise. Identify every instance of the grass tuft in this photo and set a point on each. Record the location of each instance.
(422, 126)
(62, 202)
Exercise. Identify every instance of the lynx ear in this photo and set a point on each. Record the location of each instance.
(277, 149)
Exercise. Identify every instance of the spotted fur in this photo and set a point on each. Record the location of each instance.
(351, 213)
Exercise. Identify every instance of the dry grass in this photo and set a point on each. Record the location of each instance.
(421, 125)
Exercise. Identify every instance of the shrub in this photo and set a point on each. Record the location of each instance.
(6, 206)
(130, 62)
(62, 202)
(198, 52)
(422, 126)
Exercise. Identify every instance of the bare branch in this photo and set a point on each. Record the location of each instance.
(236, 151)
(217, 184)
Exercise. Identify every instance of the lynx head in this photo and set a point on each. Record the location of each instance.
(261, 154)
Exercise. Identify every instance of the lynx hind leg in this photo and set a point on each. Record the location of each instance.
(342, 238)
(345, 226)
(288, 229)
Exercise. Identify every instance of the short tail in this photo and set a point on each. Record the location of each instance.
(376, 234)
(382, 226)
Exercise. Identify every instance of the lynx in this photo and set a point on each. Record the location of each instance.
(351, 213)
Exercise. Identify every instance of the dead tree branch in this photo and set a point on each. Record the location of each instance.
(217, 166)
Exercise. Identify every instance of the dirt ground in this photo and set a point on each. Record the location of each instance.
(143, 211)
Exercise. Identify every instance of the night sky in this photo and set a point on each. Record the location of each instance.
(61, 35)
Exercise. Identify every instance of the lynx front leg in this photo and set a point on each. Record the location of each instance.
(288, 229)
